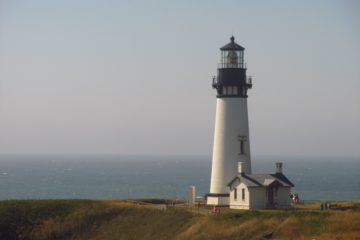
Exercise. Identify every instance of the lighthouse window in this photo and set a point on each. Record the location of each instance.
(232, 59)
(241, 59)
(243, 194)
(235, 193)
(242, 140)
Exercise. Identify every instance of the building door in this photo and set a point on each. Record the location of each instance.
(270, 194)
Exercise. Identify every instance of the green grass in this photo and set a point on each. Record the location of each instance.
(30, 219)
(90, 219)
(157, 201)
(244, 215)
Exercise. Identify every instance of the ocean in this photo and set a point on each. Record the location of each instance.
(123, 177)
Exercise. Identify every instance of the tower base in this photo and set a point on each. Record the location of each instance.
(218, 199)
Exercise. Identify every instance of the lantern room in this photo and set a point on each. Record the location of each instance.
(232, 55)
(231, 80)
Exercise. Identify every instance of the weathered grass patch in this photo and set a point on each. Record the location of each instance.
(47, 219)
(87, 219)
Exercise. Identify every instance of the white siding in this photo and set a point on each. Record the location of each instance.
(239, 203)
(258, 198)
(217, 201)
(282, 197)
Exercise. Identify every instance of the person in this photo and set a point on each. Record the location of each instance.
(296, 198)
(213, 209)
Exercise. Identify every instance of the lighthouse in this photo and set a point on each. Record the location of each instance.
(231, 136)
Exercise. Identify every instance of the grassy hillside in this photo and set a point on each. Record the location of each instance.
(86, 219)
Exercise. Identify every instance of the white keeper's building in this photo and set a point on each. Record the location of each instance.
(259, 191)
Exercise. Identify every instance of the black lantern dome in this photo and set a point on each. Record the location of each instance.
(232, 46)
(231, 80)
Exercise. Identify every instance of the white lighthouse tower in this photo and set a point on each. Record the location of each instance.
(231, 137)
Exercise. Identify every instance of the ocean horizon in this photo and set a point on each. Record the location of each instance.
(126, 177)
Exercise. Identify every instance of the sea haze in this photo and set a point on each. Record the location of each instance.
(30, 177)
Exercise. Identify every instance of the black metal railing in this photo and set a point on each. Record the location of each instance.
(214, 81)
(232, 65)
(249, 80)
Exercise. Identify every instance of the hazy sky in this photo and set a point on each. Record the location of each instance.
(134, 77)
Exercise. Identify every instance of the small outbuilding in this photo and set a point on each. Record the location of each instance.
(260, 191)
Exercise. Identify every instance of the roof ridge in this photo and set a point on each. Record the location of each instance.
(250, 179)
(283, 178)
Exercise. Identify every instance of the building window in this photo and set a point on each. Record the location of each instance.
(235, 193)
(242, 140)
(243, 194)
